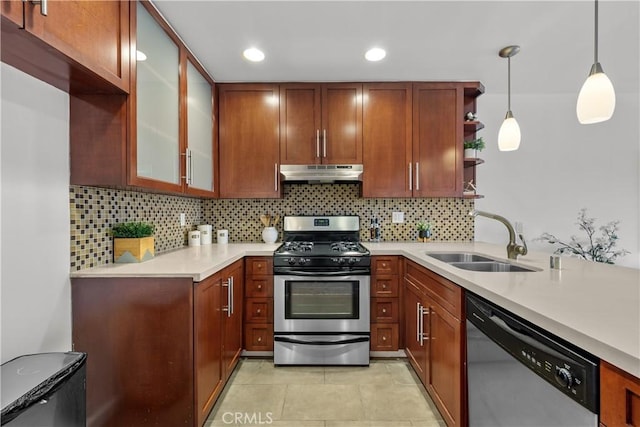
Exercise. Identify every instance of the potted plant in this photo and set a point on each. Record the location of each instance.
(133, 242)
(472, 147)
(424, 230)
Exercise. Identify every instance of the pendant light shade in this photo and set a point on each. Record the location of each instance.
(597, 98)
(509, 134)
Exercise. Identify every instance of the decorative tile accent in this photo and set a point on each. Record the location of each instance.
(95, 210)
(241, 216)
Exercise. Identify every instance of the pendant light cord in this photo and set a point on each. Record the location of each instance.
(595, 43)
(509, 84)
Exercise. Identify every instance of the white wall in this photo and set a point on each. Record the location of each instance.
(561, 167)
(35, 287)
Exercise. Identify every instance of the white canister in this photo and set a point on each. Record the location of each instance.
(205, 234)
(194, 238)
(223, 237)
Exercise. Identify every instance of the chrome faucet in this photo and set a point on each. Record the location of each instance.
(513, 249)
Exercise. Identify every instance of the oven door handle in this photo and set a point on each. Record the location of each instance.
(347, 341)
(361, 272)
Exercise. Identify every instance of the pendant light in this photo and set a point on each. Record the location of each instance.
(509, 134)
(597, 98)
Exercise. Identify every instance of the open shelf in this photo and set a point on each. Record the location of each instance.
(472, 126)
(472, 161)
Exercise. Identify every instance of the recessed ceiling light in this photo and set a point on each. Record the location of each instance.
(140, 56)
(253, 54)
(375, 54)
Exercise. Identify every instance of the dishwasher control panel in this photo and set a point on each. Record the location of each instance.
(566, 367)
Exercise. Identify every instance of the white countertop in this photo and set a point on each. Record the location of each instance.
(594, 306)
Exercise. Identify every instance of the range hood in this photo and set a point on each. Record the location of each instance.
(320, 174)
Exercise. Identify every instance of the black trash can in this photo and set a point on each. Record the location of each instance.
(44, 390)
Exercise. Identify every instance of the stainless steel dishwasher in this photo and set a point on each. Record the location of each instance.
(519, 375)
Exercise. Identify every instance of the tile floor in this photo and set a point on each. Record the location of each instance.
(385, 394)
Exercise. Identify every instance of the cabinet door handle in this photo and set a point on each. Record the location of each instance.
(275, 180)
(410, 178)
(258, 311)
(384, 286)
(418, 323)
(259, 287)
(229, 285)
(384, 311)
(231, 294)
(187, 161)
(259, 339)
(384, 338)
(318, 143)
(417, 176)
(324, 143)
(43, 6)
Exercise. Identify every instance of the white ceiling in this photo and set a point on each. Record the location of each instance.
(425, 40)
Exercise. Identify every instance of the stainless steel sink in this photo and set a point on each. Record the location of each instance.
(476, 262)
(450, 257)
(490, 266)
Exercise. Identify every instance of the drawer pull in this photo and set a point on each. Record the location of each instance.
(259, 286)
(258, 311)
(384, 265)
(384, 310)
(384, 286)
(384, 338)
(259, 339)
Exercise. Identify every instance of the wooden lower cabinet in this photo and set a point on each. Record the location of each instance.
(155, 347)
(619, 397)
(258, 304)
(232, 290)
(207, 345)
(434, 344)
(385, 303)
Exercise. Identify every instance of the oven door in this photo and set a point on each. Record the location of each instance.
(321, 304)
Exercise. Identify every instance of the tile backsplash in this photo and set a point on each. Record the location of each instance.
(95, 210)
(241, 216)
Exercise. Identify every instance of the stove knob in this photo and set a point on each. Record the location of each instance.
(292, 261)
(352, 261)
(303, 261)
(341, 260)
(563, 377)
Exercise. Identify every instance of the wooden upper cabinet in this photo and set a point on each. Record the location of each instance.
(249, 140)
(387, 156)
(342, 123)
(321, 123)
(12, 10)
(437, 139)
(162, 136)
(201, 136)
(79, 46)
(155, 144)
(300, 124)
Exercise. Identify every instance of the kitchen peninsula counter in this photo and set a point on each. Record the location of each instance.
(594, 306)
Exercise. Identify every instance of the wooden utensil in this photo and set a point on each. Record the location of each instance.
(264, 219)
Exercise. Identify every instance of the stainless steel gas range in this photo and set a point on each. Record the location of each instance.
(321, 293)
